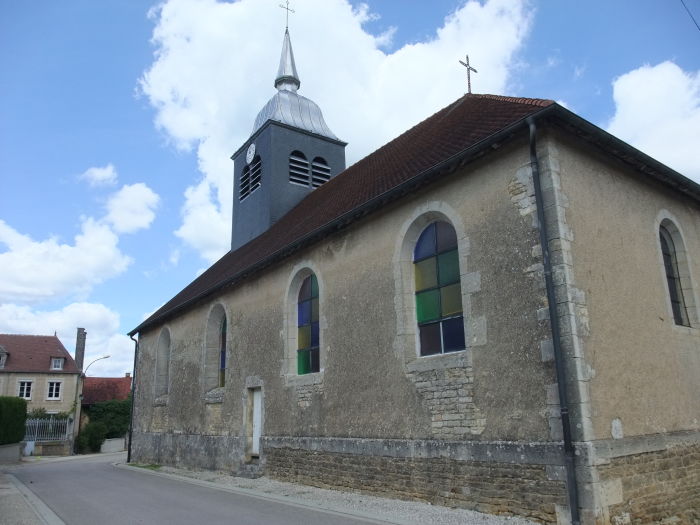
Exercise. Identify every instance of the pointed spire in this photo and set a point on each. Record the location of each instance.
(287, 77)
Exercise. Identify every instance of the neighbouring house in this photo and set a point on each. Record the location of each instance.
(39, 369)
(496, 310)
(100, 389)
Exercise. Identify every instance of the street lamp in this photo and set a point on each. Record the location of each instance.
(94, 361)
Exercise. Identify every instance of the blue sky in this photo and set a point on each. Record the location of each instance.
(116, 125)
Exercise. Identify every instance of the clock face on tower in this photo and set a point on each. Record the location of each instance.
(250, 153)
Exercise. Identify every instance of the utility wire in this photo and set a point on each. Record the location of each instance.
(691, 15)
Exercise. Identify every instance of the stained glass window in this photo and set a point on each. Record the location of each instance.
(438, 290)
(675, 290)
(308, 359)
(222, 352)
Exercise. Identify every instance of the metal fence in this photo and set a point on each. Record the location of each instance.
(50, 429)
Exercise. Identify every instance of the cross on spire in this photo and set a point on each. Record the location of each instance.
(469, 72)
(288, 11)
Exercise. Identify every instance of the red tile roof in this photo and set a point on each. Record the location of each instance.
(98, 389)
(33, 353)
(452, 137)
(448, 132)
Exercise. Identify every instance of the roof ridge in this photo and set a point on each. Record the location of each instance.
(540, 102)
(31, 335)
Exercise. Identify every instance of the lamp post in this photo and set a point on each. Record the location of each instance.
(94, 361)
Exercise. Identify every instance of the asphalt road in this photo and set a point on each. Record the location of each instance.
(92, 491)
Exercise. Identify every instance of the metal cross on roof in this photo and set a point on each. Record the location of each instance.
(288, 11)
(469, 72)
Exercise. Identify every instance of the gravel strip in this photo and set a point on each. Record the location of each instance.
(390, 510)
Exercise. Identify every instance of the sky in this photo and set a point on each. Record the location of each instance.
(118, 119)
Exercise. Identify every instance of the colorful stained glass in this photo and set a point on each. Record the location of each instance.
(451, 300)
(304, 336)
(314, 334)
(428, 306)
(430, 339)
(448, 267)
(303, 362)
(426, 274)
(446, 237)
(438, 290)
(425, 246)
(303, 313)
(314, 286)
(314, 309)
(453, 334)
(305, 290)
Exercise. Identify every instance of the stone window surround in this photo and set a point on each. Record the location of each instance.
(213, 392)
(19, 388)
(673, 226)
(407, 341)
(289, 363)
(55, 397)
(161, 383)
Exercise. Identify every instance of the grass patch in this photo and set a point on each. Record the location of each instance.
(150, 466)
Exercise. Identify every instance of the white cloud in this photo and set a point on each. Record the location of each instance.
(132, 208)
(33, 271)
(208, 81)
(657, 109)
(100, 176)
(101, 324)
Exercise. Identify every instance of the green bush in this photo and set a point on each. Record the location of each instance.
(114, 414)
(91, 437)
(13, 414)
(40, 413)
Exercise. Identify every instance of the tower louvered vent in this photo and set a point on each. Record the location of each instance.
(298, 168)
(250, 178)
(320, 172)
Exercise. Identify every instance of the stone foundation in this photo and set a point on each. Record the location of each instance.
(656, 487)
(492, 481)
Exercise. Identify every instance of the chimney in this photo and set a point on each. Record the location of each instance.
(80, 348)
(128, 374)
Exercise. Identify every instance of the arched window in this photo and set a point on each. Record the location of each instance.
(308, 358)
(673, 276)
(320, 172)
(250, 178)
(215, 349)
(438, 290)
(298, 168)
(162, 383)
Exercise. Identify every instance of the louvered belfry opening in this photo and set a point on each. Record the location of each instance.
(320, 172)
(298, 168)
(250, 177)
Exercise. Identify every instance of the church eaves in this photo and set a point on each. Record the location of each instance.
(466, 130)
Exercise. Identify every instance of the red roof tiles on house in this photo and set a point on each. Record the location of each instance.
(99, 389)
(33, 353)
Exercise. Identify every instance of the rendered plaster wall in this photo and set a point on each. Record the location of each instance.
(9, 386)
(372, 384)
(640, 366)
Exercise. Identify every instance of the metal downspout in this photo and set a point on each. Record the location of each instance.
(133, 391)
(569, 451)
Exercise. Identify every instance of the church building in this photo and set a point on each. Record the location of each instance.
(497, 310)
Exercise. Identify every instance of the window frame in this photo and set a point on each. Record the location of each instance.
(51, 386)
(20, 383)
(312, 350)
(57, 361)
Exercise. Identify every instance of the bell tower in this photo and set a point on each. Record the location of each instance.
(290, 152)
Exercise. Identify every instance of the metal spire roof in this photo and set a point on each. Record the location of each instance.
(287, 77)
(287, 106)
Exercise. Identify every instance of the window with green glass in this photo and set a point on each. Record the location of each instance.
(438, 290)
(308, 359)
